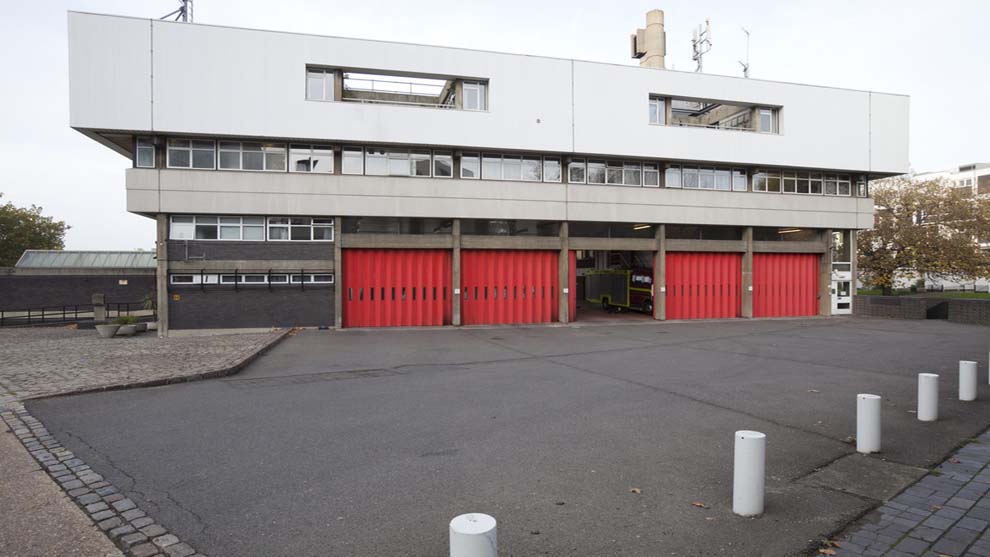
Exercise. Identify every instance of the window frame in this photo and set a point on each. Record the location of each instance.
(480, 88)
(560, 169)
(289, 226)
(436, 156)
(263, 151)
(194, 223)
(577, 164)
(149, 143)
(476, 156)
(344, 159)
(772, 113)
(661, 110)
(190, 151)
(329, 78)
(673, 170)
(297, 149)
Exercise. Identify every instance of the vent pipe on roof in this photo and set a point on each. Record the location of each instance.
(650, 44)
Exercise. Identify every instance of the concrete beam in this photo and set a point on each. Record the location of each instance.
(707, 245)
(161, 274)
(613, 244)
(825, 284)
(254, 265)
(396, 241)
(455, 231)
(660, 275)
(747, 273)
(510, 242)
(338, 255)
(563, 276)
(789, 247)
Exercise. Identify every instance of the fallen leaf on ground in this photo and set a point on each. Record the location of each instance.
(635, 490)
(825, 551)
(700, 504)
(813, 390)
(954, 460)
(709, 518)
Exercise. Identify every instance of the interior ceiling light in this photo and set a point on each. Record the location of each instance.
(640, 226)
(788, 230)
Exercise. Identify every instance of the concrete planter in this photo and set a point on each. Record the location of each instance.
(107, 331)
(127, 330)
(141, 327)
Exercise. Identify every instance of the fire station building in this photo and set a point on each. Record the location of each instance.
(301, 180)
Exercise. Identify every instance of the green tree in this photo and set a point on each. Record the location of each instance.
(26, 228)
(929, 228)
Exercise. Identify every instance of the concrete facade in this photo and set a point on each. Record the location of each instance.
(565, 111)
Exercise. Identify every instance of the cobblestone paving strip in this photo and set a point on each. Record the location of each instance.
(38, 362)
(136, 534)
(945, 514)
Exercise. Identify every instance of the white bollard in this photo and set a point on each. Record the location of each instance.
(868, 423)
(473, 535)
(967, 380)
(928, 397)
(748, 473)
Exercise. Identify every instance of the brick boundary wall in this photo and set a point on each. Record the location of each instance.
(970, 311)
(31, 291)
(975, 312)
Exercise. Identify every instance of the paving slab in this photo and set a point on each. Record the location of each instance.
(866, 476)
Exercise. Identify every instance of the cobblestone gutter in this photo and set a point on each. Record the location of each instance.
(129, 527)
(945, 514)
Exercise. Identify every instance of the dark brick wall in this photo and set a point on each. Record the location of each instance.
(250, 306)
(894, 307)
(36, 291)
(970, 311)
(230, 251)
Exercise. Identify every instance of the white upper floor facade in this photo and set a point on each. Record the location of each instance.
(139, 76)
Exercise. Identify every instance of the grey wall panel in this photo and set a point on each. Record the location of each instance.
(191, 250)
(222, 308)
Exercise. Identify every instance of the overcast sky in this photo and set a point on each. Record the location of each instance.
(934, 52)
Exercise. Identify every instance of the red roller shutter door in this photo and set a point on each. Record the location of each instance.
(703, 285)
(396, 288)
(508, 287)
(785, 284)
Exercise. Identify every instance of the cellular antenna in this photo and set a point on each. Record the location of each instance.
(184, 13)
(745, 65)
(701, 43)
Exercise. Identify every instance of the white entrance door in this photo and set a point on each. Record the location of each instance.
(841, 292)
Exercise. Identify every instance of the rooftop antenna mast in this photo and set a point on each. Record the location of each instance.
(701, 43)
(184, 13)
(745, 65)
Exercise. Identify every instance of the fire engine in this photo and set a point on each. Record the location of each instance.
(619, 289)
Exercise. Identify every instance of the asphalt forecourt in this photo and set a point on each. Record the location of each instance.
(593, 440)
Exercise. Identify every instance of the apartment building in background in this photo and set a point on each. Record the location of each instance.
(301, 180)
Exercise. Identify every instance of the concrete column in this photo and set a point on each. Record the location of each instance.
(338, 85)
(338, 267)
(660, 275)
(852, 266)
(747, 274)
(161, 274)
(564, 269)
(825, 286)
(455, 230)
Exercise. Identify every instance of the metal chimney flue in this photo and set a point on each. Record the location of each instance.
(650, 44)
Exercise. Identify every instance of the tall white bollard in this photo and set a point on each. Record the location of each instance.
(868, 423)
(967, 380)
(928, 397)
(473, 535)
(748, 473)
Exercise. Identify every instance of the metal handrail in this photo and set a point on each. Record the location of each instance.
(410, 84)
(380, 101)
(64, 314)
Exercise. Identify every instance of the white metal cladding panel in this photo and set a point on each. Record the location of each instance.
(890, 132)
(819, 127)
(109, 72)
(246, 82)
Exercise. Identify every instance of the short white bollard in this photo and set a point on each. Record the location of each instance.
(868, 423)
(748, 472)
(928, 397)
(473, 535)
(967, 380)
